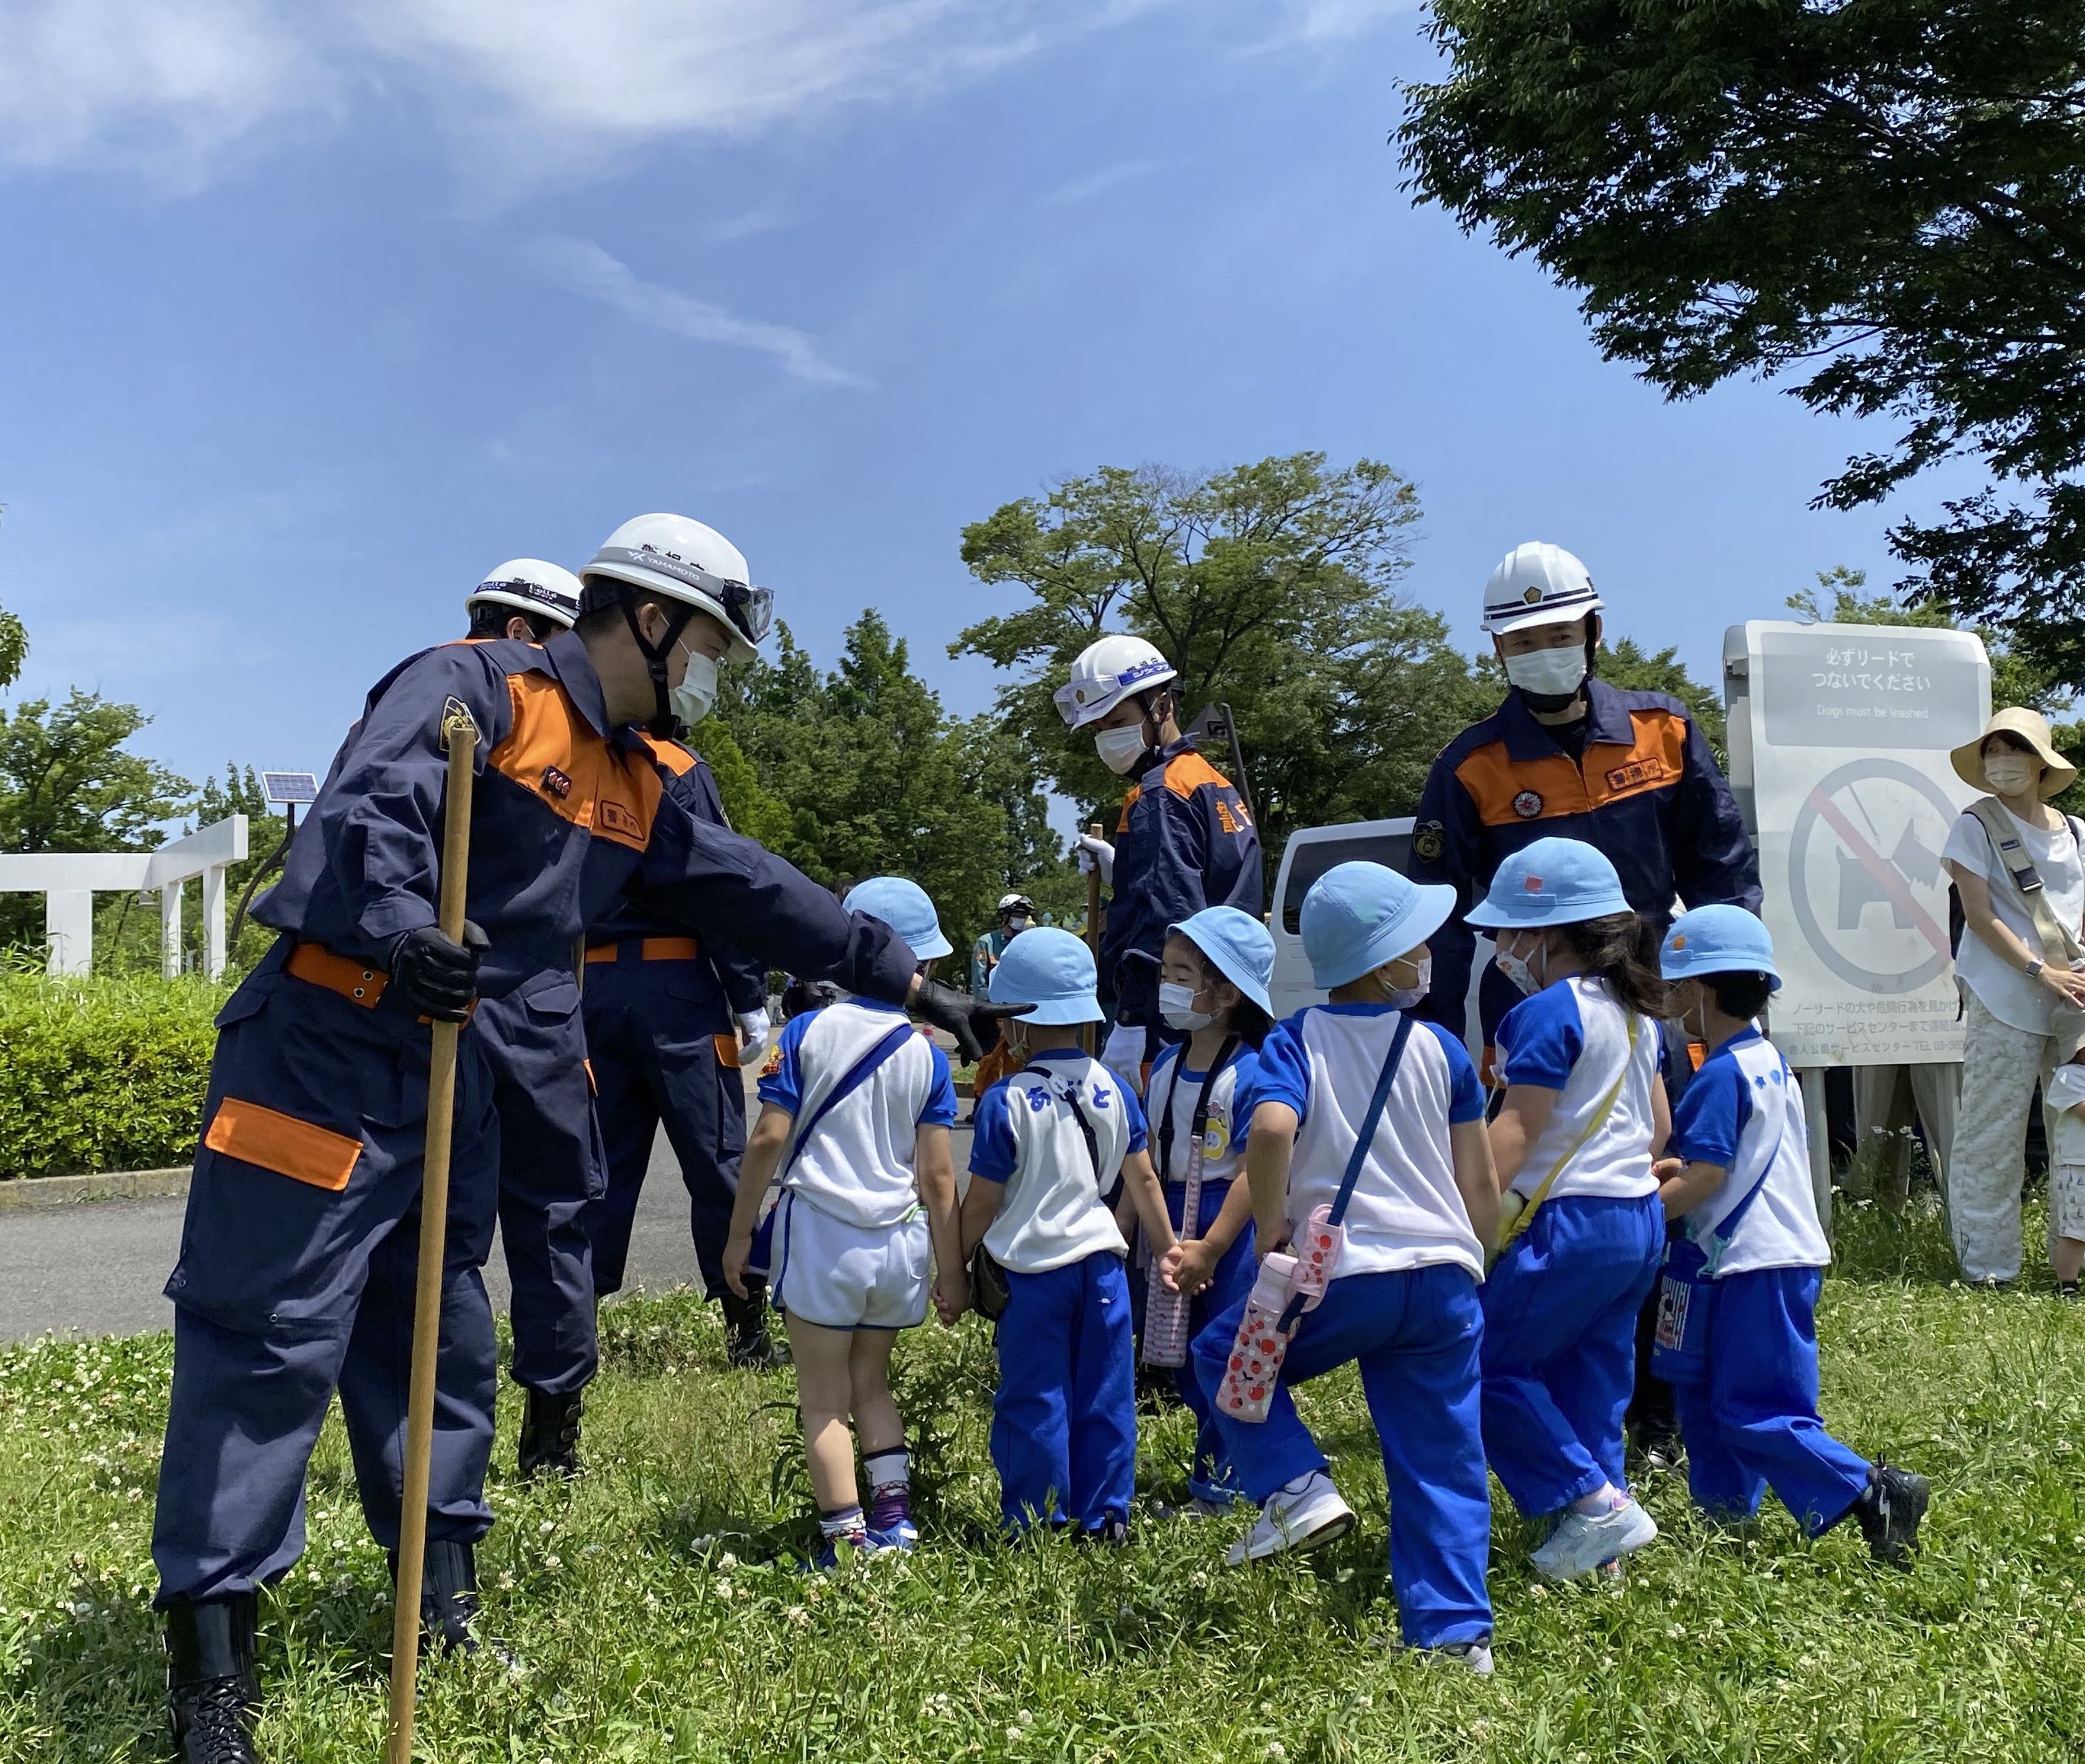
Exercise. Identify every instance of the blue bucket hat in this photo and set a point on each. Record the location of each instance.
(1551, 882)
(1238, 946)
(902, 905)
(1052, 970)
(1717, 940)
(1359, 915)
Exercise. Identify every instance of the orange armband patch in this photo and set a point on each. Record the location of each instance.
(274, 1141)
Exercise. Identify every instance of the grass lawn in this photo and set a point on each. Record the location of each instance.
(656, 1622)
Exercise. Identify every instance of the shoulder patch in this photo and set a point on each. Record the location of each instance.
(1527, 803)
(1188, 772)
(1429, 840)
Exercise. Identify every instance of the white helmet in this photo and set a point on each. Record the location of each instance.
(1107, 672)
(1008, 902)
(1537, 584)
(680, 559)
(529, 585)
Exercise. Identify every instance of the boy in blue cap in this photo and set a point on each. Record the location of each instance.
(1737, 1318)
(856, 1109)
(1360, 1105)
(1049, 1141)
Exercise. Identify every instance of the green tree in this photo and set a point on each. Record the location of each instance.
(14, 647)
(1270, 586)
(1879, 199)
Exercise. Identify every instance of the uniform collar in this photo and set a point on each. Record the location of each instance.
(1167, 755)
(1607, 723)
(573, 668)
(1749, 1033)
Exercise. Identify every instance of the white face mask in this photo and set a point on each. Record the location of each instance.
(1119, 749)
(1514, 966)
(691, 701)
(2011, 775)
(1176, 1004)
(1550, 673)
(1403, 997)
(1017, 923)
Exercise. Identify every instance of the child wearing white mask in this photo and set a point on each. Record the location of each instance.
(1573, 1139)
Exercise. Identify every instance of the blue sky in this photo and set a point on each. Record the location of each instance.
(314, 314)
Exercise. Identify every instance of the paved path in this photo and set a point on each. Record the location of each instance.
(97, 1268)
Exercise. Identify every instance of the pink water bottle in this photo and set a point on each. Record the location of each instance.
(1318, 1246)
(1261, 1346)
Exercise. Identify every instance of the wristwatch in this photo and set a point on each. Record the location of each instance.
(2033, 969)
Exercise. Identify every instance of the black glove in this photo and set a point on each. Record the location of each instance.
(975, 1026)
(439, 977)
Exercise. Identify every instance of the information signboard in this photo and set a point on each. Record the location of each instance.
(1839, 742)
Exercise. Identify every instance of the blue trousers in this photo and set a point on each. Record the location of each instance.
(551, 1169)
(1063, 1420)
(296, 1279)
(1415, 1336)
(1210, 1475)
(655, 1031)
(1560, 1310)
(1752, 1423)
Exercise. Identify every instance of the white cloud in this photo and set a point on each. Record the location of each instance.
(586, 268)
(1094, 183)
(1327, 21)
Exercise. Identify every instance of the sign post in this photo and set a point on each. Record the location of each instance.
(1838, 741)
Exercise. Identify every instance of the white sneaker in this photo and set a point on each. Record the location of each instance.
(1472, 1656)
(1582, 1541)
(1300, 1515)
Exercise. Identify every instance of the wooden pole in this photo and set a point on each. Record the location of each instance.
(1092, 1035)
(459, 735)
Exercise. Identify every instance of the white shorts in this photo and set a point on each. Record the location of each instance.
(844, 1276)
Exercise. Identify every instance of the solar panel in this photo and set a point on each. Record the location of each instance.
(281, 787)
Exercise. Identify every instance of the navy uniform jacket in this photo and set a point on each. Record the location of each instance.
(1184, 842)
(727, 980)
(1648, 793)
(566, 814)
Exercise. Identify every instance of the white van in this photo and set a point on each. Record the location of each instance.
(1311, 852)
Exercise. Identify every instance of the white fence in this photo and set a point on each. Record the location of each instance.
(69, 880)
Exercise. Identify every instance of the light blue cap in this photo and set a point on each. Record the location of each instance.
(902, 905)
(1717, 940)
(1551, 882)
(1052, 970)
(1240, 948)
(1359, 915)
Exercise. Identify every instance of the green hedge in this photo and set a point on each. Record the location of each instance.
(101, 1075)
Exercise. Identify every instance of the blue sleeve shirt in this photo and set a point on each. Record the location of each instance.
(1466, 1093)
(993, 1154)
(1709, 1119)
(1542, 1038)
(940, 1109)
(782, 1079)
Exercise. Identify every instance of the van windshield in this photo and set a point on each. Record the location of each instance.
(1313, 860)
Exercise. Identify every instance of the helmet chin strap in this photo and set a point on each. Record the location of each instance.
(662, 722)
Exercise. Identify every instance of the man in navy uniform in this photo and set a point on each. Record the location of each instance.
(296, 1268)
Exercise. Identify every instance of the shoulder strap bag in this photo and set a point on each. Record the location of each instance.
(2056, 941)
(990, 1290)
(1165, 1310)
(1522, 1216)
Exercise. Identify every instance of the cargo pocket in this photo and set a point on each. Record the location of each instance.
(274, 1141)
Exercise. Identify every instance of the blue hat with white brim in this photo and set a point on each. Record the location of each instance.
(1359, 915)
(1551, 882)
(1717, 940)
(1239, 947)
(902, 905)
(1052, 970)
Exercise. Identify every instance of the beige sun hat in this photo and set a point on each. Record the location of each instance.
(2024, 725)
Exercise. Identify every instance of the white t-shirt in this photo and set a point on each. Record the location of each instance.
(1405, 1210)
(1223, 1139)
(1572, 1038)
(1027, 1136)
(2066, 1090)
(857, 1165)
(1742, 1111)
(2010, 996)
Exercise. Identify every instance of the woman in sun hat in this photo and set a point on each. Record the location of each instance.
(2016, 865)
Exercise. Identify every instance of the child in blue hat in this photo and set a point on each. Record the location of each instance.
(1737, 1315)
(1049, 1142)
(1212, 989)
(856, 1109)
(1360, 1107)
(1584, 1110)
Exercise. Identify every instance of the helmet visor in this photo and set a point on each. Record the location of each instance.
(749, 610)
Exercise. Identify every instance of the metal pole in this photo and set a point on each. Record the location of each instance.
(459, 735)
(1812, 1077)
(1092, 1034)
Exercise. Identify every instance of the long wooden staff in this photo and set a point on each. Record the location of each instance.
(1091, 1034)
(460, 735)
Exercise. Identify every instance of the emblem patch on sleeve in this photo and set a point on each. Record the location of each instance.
(1429, 841)
(1527, 804)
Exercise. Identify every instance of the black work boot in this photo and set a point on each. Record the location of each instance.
(449, 1597)
(212, 1688)
(1889, 1512)
(550, 1434)
(746, 1341)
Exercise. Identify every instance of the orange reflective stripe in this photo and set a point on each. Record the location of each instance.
(726, 1050)
(1505, 793)
(671, 949)
(602, 952)
(321, 967)
(1188, 773)
(670, 754)
(553, 754)
(274, 1141)
(1129, 803)
(1656, 758)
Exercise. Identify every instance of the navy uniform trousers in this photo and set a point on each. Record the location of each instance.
(551, 1169)
(297, 1278)
(658, 1054)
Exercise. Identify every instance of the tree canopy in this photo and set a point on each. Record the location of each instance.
(1269, 586)
(1883, 200)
